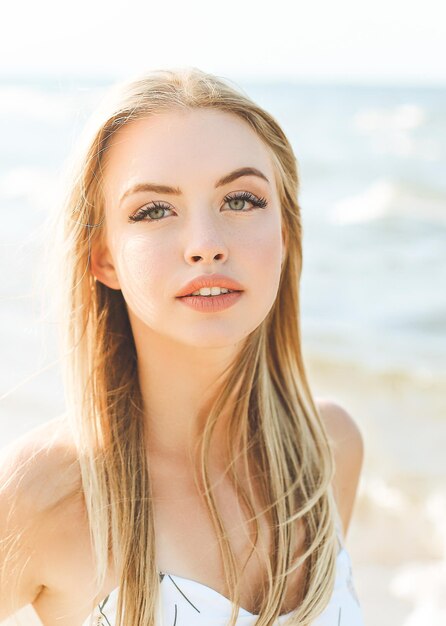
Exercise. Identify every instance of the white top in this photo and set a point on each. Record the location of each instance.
(186, 602)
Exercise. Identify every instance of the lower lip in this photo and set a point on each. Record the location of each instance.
(211, 304)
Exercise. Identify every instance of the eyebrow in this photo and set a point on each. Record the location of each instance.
(225, 180)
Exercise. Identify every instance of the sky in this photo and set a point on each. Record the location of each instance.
(352, 41)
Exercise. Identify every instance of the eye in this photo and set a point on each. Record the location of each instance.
(154, 212)
(153, 209)
(239, 199)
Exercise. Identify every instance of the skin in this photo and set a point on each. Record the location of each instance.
(178, 349)
(150, 261)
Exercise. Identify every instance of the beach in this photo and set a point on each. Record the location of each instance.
(397, 537)
(373, 303)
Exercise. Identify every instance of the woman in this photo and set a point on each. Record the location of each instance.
(193, 465)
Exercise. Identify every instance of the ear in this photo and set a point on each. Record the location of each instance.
(102, 266)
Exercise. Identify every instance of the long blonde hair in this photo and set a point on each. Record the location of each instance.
(275, 427)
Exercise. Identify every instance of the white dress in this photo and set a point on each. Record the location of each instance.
(186, 602)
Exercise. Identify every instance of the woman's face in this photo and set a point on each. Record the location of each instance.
(197, 231)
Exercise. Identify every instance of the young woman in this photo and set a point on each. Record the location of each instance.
(194, 479)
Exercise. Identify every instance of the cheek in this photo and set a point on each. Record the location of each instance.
(265, 249)
(141, 270)
(264, 255)
(259, 259)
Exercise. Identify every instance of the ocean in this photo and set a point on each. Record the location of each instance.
(372, 166)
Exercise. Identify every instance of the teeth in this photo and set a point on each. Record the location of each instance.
(211, 291)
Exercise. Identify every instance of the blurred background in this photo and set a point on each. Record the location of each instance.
(360, 90)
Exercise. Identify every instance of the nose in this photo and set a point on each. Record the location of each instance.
(205, 243)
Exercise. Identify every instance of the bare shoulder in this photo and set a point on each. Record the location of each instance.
(348, 449)
(38, 472)
(40, 467)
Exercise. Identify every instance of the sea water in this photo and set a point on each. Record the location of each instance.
(372, 163)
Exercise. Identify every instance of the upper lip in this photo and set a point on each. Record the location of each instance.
(209, 280)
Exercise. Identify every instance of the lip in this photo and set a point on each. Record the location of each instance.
(211, 304)
(209, 280)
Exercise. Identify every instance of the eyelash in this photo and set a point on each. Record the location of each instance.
(243, 195)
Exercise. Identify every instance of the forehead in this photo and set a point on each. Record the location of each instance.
(181, 147)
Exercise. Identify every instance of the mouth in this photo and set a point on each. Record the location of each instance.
(190, 295)
(212, 304)
(209, 283)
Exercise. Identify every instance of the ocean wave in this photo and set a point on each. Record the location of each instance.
(400, 373)
(399, 118)
(423, 583)
(392, 131)
(385, 198)
(403, 521)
